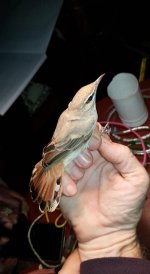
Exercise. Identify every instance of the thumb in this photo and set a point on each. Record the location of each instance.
(121, 157)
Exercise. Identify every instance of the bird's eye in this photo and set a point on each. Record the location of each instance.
(90, 98)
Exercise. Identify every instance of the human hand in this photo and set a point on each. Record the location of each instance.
(10, 208)
(143, 228)
(108, 204)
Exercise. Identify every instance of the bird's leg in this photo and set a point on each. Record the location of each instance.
(106, 129)
(99, 130)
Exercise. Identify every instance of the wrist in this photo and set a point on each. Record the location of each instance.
(124, 244)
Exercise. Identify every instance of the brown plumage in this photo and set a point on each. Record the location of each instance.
(71, 136)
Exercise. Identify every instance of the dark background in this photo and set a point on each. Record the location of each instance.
(90, 38)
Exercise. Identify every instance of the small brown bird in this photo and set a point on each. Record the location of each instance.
(71, 136)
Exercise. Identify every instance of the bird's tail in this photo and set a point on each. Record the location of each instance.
(46, 185)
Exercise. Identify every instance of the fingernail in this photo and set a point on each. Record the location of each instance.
(95, 141)
(84, 158)
(70, 190)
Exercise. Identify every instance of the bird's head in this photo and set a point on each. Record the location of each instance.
(85, 97)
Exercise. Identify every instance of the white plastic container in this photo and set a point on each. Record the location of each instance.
(126, 96)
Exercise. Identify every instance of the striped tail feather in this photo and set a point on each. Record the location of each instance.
(46, 185)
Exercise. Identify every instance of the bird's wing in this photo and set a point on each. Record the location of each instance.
(46, 180)
(54, 153)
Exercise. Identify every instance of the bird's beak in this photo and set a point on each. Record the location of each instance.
(99, 79)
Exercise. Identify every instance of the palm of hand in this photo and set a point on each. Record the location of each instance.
(107, 199)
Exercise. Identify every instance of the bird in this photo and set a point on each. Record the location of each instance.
(71, 136)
